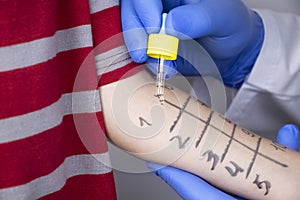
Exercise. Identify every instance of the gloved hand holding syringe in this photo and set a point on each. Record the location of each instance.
(163, 47)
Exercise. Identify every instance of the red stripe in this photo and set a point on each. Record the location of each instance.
(87, 187)
(121, 73)
(32, 88)
(23, 21)
(71, 13)
(30, 158)
(107, 34)
(107, 45)
(106, 24)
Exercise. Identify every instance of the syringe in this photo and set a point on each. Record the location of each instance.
(163, 47)
(160, 80)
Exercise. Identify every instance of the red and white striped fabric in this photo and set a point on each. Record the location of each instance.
(42, 47)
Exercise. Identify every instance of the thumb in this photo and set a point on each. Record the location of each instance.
(207, 18)
(288, 136)
(188, 21)
(149, 14)
(187, 185)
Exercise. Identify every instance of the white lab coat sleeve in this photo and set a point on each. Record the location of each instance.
(270, 96)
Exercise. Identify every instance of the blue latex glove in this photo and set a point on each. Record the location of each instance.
(190, 187)
(288, 136)
(230, 32)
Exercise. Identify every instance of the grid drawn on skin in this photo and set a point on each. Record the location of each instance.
(229, 135)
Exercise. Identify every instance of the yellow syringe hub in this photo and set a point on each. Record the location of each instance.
(161, 45)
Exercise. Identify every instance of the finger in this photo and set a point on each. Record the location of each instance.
(135, 35)
(205, 19)
(188, 21)
(170, 4)
(188, 185)
(149, 14)
(288, 136)
(154, 166)
(193, 60)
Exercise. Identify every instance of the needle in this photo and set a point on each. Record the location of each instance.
(160, 80)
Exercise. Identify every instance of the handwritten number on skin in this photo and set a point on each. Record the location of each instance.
(180, 142)
(260, 184)
(212, 156)
(143, 122)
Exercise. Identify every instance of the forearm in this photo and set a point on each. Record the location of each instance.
(186, 134)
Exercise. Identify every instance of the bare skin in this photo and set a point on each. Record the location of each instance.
(184, 133)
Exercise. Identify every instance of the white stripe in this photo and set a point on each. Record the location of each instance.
(112, 60)
(33, 123)
(40, 50)
(72, 166)
(99, 5)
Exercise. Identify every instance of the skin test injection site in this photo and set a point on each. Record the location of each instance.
(175, 132)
